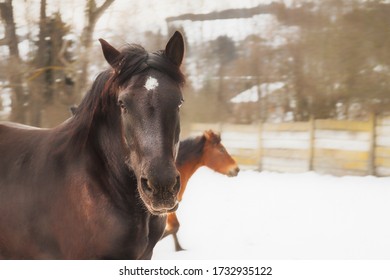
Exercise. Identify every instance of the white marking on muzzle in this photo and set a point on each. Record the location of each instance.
(151, 83)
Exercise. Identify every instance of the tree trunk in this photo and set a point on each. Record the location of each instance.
(38, 85)
(15, 69)
(92, 13)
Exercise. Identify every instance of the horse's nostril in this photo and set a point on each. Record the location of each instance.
(145, 186)
(237, 170)
(176, 186)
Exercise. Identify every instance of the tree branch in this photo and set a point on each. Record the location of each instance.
(4, 41)
(99, 11)
(10, 37)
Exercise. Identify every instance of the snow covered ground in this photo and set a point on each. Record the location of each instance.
(263, 215)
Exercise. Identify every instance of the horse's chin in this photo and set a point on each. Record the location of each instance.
(163, 211)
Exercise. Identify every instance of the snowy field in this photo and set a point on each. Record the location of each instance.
(263, 215)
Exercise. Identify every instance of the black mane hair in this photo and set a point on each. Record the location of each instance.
(190, 149)
(134, 59)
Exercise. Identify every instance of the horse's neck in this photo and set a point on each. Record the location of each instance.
(105, 151)
(187, 169)
(185, 175)
(110, 147)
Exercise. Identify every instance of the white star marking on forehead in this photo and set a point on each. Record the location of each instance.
(151, 83)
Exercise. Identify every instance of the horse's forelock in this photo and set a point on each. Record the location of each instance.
(159, 61)
(135, 60)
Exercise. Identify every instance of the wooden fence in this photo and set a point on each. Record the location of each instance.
(325, 146)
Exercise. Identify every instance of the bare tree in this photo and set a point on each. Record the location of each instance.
(38, 86)
(36, 92)
(15, 68)
(92, 14)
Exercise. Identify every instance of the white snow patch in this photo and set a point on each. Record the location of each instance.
(252, 94)
(265, 215)
(5, 103)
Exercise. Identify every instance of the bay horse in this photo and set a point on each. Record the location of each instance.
(99, 185)
(205, 150)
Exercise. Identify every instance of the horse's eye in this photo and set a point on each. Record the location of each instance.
(181, 103)
(122, 105)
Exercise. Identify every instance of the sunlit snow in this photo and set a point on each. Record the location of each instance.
(263, 215)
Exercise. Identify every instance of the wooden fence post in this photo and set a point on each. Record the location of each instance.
(371, 160)
(311, 143)
(260, 152)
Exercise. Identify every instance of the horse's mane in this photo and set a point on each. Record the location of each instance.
(102, 96)
(134, 59)
(190, 149)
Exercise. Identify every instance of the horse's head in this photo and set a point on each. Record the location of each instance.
(216, 157)
(149, 97)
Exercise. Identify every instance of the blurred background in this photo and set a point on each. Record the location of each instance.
(292, 85)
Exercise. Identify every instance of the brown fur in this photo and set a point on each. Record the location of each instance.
(206, 150)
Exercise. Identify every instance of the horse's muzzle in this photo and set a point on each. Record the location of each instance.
(160, 197)
(233, 172)
(162, 211)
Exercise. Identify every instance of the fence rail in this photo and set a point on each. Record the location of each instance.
(326, 146)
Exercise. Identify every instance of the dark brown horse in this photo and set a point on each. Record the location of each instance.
(206, 150)
(99, 185)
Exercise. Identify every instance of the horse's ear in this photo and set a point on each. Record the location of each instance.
(208, 134)
(73, 109)
(174, 49)
(110, 53)
(211, 136)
